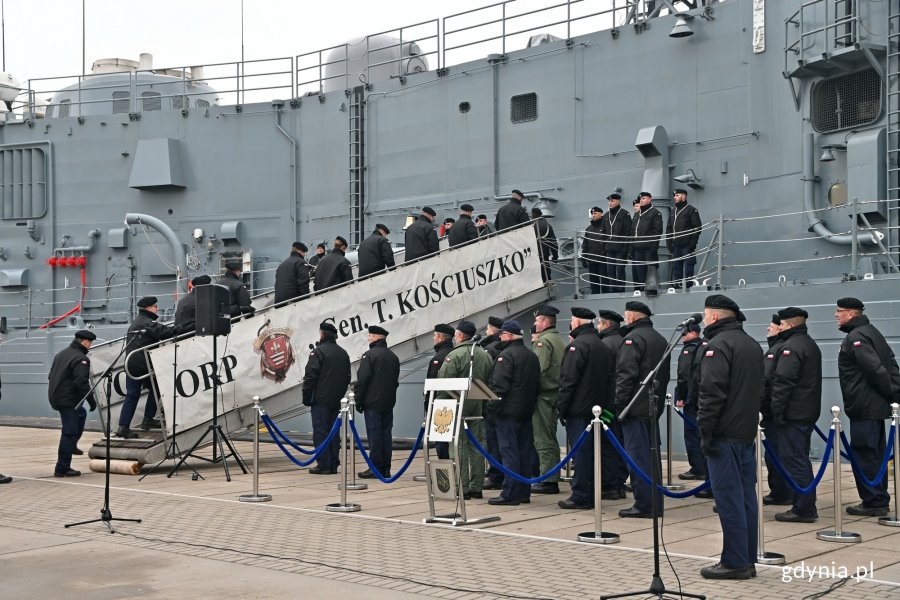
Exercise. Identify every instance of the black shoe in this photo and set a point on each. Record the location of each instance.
(707, 493)
(634, 513)
(715, 509)
(861, 510)
(572, 505)
(148, 424)
(770, 500)
(321, 471)
(720, 571)
(691, 476)
(367, 474)
(545, 487)
(69, 473)
(612, 495)
(125, 433)
(752, 570)
(524, 500)
(622, 492)
(5, 479)
(473, 495)
(77, 451)
(790, 516)
(501, 501)
(492, 485)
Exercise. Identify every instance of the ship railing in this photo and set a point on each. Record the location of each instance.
(817, 28)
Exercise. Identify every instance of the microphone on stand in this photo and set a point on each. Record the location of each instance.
(694, 319)
(476, 338)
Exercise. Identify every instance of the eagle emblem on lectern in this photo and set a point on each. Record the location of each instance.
(442, 419)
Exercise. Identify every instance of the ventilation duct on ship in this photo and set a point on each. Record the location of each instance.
(653, 144)
(168, 234)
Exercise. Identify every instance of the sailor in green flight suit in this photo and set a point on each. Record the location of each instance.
(549, 348)
(457, 364)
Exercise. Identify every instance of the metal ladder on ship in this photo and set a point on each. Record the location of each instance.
(356, 165)
(892, 160)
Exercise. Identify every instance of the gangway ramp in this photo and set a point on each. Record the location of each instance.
(265, 355)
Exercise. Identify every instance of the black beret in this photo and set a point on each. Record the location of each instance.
(300, 246)
(546, 311)
(741, 316)
(496, 322)
(234, 265)
(429, 210)
(513, 327)
(720, 301)
(85, 334)
(614, 197)
(596, 209)
(341, 240)
(645, 194)
(635, 306)
(383, 227)
(681, 191)
(467, 208)
(467, 327)
(326, 326)
(443, 328)
(610, 315)
(146, 301)
(792, 311)
(636, 201)
(481, 217)
(201, 280)
(377, 330)
(517, 192)
(776, 319)
(536, 212)
(322, 246)
(692, 327)
(851, 303)
(582, 313)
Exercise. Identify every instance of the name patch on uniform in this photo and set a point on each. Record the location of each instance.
(857, 343)
(709, 353)
(785, 352)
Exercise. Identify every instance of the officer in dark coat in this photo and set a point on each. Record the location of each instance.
(547, 237)
(593, 250)
(482, 226)
(376, 394)
(463, 229)
(646, 230)
(583, 382)
(334, 269)
(186, 311)
(641, 349)
(375, 253)
(682, 234)
(685, 397)
(69, 383)
(493, 346)
(511, 213)
(292, 275)
(516, 381)
(780, 493)
(325, 381)
(442, 339)
(144, 330)
(321, 250)
(796, 404)
(730, 388)
(870, 382)
(615, 229)
(421, 239)
(240, 297)
(614, 471)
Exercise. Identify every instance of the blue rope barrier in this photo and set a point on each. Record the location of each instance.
(516, 476)
(647, 479)
(372, 467)
(688, 420)
(286, 439)
(825, 439)
(270, 426)
(829, 445)
(888, 455)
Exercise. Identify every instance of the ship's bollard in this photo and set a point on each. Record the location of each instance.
(343, 506)
(598, 536)
(837, 535)
(669, 485)
(762, 557)
(351, 411)
(895, 423)
(256, 496)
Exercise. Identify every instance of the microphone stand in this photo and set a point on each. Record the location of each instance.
(105, 514)
(657, 587)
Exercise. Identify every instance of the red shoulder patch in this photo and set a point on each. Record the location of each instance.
(499, 359)
(571, 348)
(857, 343)
(684, 352)
(540, 344)
(629, 342)
(785, 352)
(709, 353)
(445, 360)
(770, 356)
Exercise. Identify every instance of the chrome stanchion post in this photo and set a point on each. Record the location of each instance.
(837, 535)
(351, 441)
(256, 496)
(567, 476)
(669, 485)
(343, 506)
(598, 536)
(762, 557)
(895, 423)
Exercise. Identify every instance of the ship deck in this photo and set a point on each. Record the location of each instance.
(197, 540)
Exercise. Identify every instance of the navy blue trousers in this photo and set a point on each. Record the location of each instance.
(614, 272)
(793, 448)
(692, 441)
(637, 445)
(583, 478)
(493, 448)
(682, 268)
(379, 425)
(643, 258)
(778, 487)
(72, 427)
(516, 440)
(614, 471)
(323, 418)
(133, 389)
(732, 474)
(867, 441)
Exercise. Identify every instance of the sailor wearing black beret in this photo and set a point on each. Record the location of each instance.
(375, 253)
(444, 329)
(779, 491)
(292, 275)
(147, 302)
(731, 384)
(375, 394)
(442, 340)
(851, 304)
(580, 312)
(240, 297)
(610, 315)
(685, 397)
(376, 330)
(466, 327)
(186, 309)
(334, 268)
(85, 334)
(614, 471)
(792, 312)
(638, 307)
(593, 249)
(420, 237)
(546, 311)
(463, 229)
(512, 213)
(328, 327)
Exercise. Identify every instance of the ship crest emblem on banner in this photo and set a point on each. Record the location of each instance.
(276, 355)
(442, 420)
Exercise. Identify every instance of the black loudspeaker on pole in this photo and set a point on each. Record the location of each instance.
(213, 310)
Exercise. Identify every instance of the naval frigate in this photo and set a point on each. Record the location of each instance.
(780, 118)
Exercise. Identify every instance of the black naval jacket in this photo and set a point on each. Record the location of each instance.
(685, 390)
(641, 349)
(730, 384)
(510, 215)
(327, 374)
(152, 332)
(615, 227)
(440, 353)
(333, 269)
(867, 369)
(647, 228)
(463, 231)
(240, 297)
(683, 227)
(612, 338)
(584, 376)
(769, 361)
(70, 378)
(547, 238)
(374, 254)
(593, 248)
(186, 314)
(797, 381)
(291, 278)
(516, 381)
(377, 379)
(421, 239)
